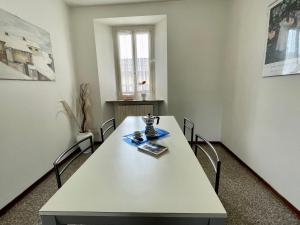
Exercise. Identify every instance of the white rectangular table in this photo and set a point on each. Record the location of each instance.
(119, 185)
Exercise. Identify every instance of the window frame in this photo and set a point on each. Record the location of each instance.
(133, 30)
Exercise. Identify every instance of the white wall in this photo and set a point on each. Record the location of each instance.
(33, 130)
(86, 66)
(261, 115)
(195, 43)
(106, 69)
(161, 65)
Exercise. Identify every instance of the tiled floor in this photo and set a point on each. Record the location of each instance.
(246, 199)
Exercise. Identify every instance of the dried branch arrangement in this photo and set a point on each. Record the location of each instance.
(84, 105)
(70, 113)
(82, 119)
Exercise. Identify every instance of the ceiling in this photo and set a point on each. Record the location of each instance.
(106, 2)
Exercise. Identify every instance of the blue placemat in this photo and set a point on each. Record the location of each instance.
(160, 134)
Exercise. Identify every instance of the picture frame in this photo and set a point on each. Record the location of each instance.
(282, 51)
(25, 50)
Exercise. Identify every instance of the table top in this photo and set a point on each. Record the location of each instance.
(120, 180)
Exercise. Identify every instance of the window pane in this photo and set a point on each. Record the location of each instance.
(126, 63)
(143, 61)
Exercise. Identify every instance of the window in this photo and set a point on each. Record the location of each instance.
(134, 65)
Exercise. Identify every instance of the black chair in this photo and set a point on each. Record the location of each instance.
(215, 161)
(188, 124)
(61, 157)
(106, 127)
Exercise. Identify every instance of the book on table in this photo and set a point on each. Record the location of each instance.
(153, 149)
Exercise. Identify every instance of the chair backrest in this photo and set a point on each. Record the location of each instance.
(188, 124)
(212, 155)
(61, 157)
(106, 127)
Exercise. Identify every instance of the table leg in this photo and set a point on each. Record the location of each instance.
(49, 220)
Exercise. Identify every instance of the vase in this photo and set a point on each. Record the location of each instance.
(143, 96)
(86, 143)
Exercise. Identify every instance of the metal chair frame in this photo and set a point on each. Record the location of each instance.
(188, 124)
(112, 124)
(60, 158)
(215, 163)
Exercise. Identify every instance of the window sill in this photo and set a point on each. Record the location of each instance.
(136, 101)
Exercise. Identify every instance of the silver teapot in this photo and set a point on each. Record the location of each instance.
(149, 130)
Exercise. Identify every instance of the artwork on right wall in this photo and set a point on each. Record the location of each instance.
(283, 41)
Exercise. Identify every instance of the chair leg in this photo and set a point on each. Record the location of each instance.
(102, 135)
(57, 176)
